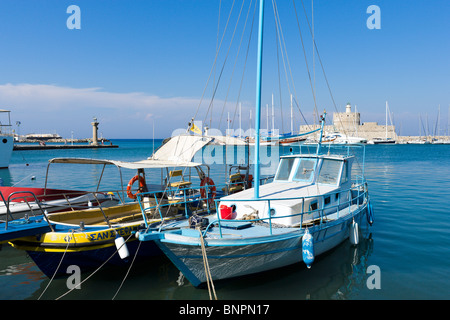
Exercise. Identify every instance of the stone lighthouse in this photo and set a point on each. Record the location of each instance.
(94, 132)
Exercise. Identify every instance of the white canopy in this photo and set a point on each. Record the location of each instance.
(180, 148)
(177, 152)
(143, 164)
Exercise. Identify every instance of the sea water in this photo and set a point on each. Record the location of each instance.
(406, 251)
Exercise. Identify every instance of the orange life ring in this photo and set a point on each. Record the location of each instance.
(130, 194)
(250, 180)
(212, 189)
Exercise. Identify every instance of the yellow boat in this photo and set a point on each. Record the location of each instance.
(87, 238)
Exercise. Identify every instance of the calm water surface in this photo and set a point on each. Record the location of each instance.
(409, 241)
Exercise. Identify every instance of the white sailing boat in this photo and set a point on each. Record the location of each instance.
(386, 140)
(312, 205)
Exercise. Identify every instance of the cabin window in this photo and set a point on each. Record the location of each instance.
(305, 170)
(284, 169)
(329, 172)
(327, 200)
(313, 206)
(344, 177)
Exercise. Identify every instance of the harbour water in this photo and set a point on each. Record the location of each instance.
(409, 242)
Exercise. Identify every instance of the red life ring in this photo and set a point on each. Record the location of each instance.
(130, 194)
(212, 189)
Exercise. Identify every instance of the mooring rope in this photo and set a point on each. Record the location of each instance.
(57, 268)
(101, 266)
(128, 271)
(208, 276)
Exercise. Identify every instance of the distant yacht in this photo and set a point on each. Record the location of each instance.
(340, 138)
(6, 140)
(386, 140)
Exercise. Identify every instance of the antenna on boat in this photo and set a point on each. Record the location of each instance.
(322, 123)
(258, 96)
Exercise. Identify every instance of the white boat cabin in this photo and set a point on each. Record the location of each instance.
(314, 185)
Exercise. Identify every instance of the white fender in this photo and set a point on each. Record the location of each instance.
(122, 247)
(354, 233)
(308, 248)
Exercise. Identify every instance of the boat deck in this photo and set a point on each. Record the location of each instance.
(23, 228)
(236, 229)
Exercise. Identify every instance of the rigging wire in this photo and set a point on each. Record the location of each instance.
(320, 62)
(282, 44)
(245, 63)
(226, 57)
(217, 45)
(277, 36)
(306, 60)
(215, 61)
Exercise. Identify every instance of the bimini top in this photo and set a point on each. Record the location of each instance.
(180, 148)
(143, 164)
(177, 152)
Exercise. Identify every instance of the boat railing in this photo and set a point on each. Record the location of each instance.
(13, 195)
(357, 195)
(37, 205)
(201, 198)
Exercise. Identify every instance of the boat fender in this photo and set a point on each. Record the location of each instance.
(121, 247)
(370, 214)
(354, 233)
(308, 248)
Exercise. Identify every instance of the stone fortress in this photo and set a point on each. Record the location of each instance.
(349, 123)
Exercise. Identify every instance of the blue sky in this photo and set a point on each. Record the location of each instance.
(135, 64)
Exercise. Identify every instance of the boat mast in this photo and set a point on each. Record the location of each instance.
(258, 96)
(292, 118)
(322, 125)
(386, 118)
(273, 118)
